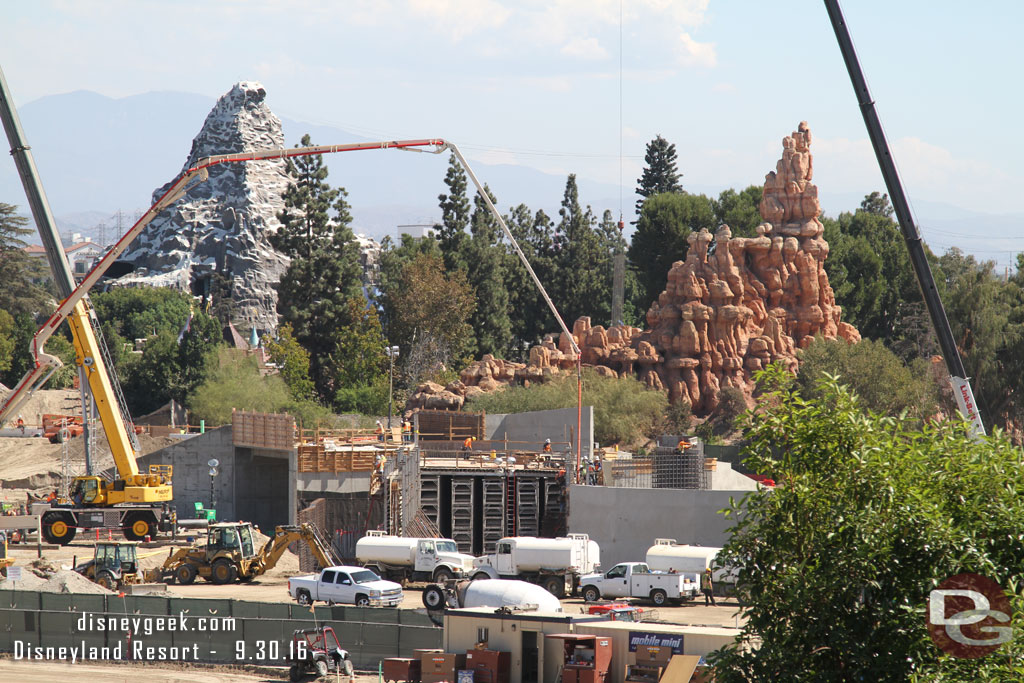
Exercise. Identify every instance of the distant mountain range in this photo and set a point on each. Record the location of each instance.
(97, 155)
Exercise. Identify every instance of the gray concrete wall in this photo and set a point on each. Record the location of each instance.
(316, 483)
(192, 474)
(254, 485)
(625, 522)
(534, 427)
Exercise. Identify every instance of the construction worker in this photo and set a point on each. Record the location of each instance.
(547, 445)
(21, 425)
(683, 446)
(406, 432)
(379, 431)
(707, 587)
(467, 446)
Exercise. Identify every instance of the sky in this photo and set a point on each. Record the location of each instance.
(581, 86)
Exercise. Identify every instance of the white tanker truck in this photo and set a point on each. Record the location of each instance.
(412, 559)
(667, 555)
(554, 563)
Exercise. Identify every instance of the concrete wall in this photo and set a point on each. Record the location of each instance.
(625, 522)
(534, 427)
(252, 484)
(316, 483)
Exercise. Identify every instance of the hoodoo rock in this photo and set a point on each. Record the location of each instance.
(732, 307)
(220, 227)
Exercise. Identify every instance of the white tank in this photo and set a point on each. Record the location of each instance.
(575, 553)
(394, 550)
(496, 593)
(685, 559)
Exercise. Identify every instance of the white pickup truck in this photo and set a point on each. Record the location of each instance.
(636, 580)
(347, 585)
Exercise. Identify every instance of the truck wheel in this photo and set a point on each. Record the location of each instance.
(185, 574)
(443, 574)
(223, 571)
(346, 667)
(433, 597)
(659, 597)
(58, 527)
(480, 576)
(138, 525)
(362, 601)
(591, 594)
(555, 585)
(107, 579)
(321, 668)
(295, 673)
(303, 598)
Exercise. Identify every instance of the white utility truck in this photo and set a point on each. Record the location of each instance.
(554, 563)
(636, 580)
(346, 585)
(666, 555)
(413, 559)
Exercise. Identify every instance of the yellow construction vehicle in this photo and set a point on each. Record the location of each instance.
(137, 503)
(114, 564)
(229, 554)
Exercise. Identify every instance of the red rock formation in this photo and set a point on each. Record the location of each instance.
(732, 307)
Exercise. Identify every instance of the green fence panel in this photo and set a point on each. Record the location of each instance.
(408, 617)
(200, 607)
(415, 638)
(20, 600)
(274, 610)
(55, 628)
(265, 641)
(245, 609)
(89, 624)
(6, 640)
(374, 643)
(139, 604)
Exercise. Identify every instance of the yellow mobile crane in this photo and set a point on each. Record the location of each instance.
(137, 503)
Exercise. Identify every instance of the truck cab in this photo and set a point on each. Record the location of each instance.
(432, 553)
(346, 585)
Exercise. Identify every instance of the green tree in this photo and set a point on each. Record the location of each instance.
(665, 223)
(293, 360)
(882, 381)
(455, 217)
(739, 210)
(325, 272)
(836, 563)
(19, 272)
(535, 233)
(661, 174)
(359, 359)
(582, 282)
(8, 339)
(869, 269)
(986, 317)
(431, 325)
(21, 360)
(486, 264)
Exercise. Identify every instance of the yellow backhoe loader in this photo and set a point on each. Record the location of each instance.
(229, 554)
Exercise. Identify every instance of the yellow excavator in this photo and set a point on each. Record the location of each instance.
(230, 554)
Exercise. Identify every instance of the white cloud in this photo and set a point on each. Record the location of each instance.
(692, 53)
(584, 48)
(462, 18)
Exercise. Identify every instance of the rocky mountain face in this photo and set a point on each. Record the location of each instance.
(220, 227)
(732, 307)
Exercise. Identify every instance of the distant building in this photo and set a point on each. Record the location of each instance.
(82, 255)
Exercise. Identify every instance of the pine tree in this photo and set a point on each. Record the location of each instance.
(455, 216)
(582, 264)
(324, 274)
(486, 271)
(19, 272)
(661, 173)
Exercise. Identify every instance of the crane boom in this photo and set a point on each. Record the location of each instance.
(954, 365)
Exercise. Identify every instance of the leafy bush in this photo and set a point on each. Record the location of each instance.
(880, 379)
(731, 404)
(625, 411)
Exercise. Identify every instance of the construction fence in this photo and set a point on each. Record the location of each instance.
(211, 631)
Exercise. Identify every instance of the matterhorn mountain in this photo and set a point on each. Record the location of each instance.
(221, 226)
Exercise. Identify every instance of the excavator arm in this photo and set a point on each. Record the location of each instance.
(285, 536)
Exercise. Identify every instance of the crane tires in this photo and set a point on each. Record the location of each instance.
(185, 574)
(659, 597)
(433, 597)
(138, 525)
(58, 527)
(106, 578)
(591, 594)
(223, 571)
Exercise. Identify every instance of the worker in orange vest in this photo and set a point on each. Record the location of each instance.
(21, 424)
(467, 446)
(547, 445)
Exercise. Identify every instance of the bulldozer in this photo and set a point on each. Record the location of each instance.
(114, 564)
(230, 555)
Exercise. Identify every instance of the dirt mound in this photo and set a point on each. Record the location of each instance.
(288, 565)
(43, 568)
(67, 581)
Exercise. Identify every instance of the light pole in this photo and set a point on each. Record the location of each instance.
(213, 463)
(392, 352)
